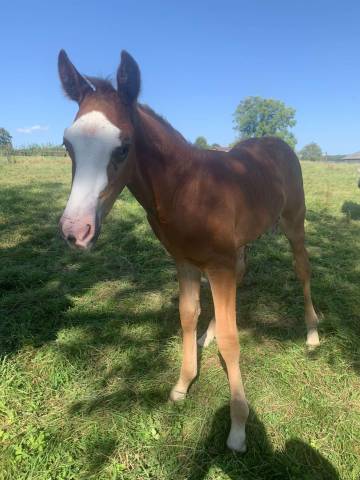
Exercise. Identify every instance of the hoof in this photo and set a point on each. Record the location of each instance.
(312, 340)
(237, 439)
(176, 395)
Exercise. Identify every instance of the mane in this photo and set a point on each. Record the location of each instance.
(164, 123)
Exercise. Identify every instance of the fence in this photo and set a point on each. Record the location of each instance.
(11, 153)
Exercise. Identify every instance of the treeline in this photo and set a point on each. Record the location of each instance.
(259, 117)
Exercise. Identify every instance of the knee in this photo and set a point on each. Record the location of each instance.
(189, 313)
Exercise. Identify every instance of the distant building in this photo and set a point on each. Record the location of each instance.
(219, 148)
(353, 158)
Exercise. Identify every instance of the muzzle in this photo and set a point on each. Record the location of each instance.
(80, 232)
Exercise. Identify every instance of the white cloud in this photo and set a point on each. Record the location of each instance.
(32, 129)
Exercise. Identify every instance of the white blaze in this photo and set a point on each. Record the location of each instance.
(93, 137)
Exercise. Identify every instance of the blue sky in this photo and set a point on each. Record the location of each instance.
(198, 60)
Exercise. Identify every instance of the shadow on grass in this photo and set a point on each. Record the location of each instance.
(99, 453)
(297, 461)
(351, 209)
(270, 285)
(39, 275)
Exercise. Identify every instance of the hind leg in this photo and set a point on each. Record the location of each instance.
(240, 266)
(294, 231)
(209, 335)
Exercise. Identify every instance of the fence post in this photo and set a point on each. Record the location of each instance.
(8, 154)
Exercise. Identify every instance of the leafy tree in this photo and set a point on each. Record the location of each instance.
(312, 151)
(201, 142)
(5, 138)
(259, 117)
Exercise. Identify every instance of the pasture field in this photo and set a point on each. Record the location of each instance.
(90, 346)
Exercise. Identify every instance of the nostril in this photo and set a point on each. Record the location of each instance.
(86, 232)
(71, 238)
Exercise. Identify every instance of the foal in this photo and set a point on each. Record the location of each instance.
(204, 206)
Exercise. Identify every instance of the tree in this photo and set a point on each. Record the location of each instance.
(201, 142)
(259, 117)
(312, 151)
(5, 139)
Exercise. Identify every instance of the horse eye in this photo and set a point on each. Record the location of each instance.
(120, 153)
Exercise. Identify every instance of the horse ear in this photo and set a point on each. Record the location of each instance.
(128, 79)
(74, 84)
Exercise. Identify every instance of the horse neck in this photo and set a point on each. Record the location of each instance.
(162, 158)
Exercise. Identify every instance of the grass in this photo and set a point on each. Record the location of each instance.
(90, 346)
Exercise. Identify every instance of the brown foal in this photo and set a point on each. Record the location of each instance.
(204, 206)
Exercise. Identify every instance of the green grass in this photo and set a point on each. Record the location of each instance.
(90, 346)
